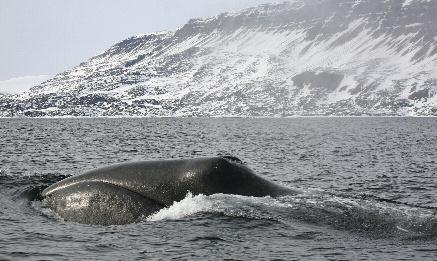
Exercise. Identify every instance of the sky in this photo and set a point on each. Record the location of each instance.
(46, 37)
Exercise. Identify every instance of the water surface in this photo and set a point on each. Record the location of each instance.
(368, 188)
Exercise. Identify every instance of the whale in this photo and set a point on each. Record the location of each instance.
(130, 192)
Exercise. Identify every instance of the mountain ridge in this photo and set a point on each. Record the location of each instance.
(320, 57)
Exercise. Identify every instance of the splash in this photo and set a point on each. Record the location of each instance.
(375, 219)
(223, 204)
(190, 205)
(381, 219)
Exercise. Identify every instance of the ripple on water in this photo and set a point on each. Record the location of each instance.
(390, 158)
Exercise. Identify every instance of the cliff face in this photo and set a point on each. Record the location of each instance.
(309, 57)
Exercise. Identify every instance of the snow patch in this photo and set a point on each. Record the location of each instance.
(409, 2)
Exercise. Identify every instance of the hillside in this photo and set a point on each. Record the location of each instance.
(326, 57)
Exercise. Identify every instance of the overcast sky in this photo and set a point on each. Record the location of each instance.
(45, 37)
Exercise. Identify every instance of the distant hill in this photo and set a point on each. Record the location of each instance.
(326, 57)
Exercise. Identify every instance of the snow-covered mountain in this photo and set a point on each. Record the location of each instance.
(303, 57)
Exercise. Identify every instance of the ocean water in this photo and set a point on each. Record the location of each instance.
(368, 189)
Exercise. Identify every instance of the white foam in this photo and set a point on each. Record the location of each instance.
(188, 206)
(231, 205)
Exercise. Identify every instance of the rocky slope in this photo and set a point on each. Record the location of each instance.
(308, 57)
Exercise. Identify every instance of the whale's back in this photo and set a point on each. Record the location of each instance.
(155, 184)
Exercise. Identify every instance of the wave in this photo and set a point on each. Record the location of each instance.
(370, 217)
(229, 205)
(28, 187)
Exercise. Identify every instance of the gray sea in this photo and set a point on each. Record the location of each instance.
(369, 189)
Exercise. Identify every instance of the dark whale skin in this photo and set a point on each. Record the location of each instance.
(127, 192)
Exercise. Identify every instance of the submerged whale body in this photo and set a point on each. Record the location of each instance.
(127, 192)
